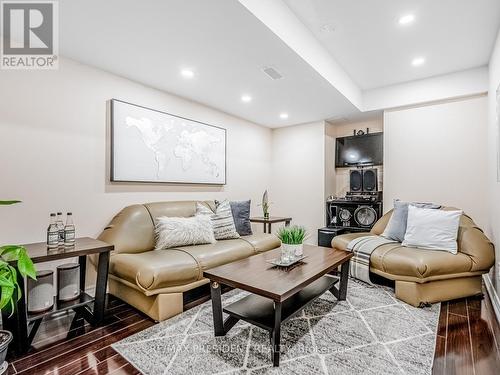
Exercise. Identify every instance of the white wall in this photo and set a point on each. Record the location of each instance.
(493, 229)
(444, 87)
(330, 135)
(298, 175)
(437, 153)
(53, 147)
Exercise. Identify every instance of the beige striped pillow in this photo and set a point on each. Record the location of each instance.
(222, 220)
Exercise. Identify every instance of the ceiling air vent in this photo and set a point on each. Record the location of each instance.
(271, 72)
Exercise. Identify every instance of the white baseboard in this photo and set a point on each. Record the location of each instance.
(495, 300)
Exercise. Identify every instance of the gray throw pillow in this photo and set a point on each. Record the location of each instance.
(241, 216)
(222, 220)
(396, 228)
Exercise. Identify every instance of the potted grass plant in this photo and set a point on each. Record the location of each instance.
(10, 292)
(292, 240)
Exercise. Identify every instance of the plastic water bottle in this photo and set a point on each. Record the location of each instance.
(60, 228)
(69, 231)
(52, 233)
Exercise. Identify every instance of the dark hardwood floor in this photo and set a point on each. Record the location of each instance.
(82, 349)
(468, 341)
(468, 338)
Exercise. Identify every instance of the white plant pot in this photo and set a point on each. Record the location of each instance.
(291, 250)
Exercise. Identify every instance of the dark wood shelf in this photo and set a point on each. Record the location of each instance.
(271, 219)
(24, 325)
(59, 306)
(260, 310)
(39, 252)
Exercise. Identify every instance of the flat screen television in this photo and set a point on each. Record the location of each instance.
(358, 150)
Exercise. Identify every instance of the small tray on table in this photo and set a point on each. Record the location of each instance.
(278, 262)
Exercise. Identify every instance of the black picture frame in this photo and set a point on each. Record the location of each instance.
(112, 147)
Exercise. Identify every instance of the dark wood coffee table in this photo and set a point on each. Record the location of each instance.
(277, 293)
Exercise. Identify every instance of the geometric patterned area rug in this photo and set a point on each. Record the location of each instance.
(370, 333)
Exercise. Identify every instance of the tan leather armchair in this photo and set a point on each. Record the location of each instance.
(154, 281)
(426, 276)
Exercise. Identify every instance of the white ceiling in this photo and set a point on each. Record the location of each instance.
(376, 51)
(225, 45)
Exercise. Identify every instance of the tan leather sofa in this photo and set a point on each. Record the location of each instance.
(154, 281)
(426, 276)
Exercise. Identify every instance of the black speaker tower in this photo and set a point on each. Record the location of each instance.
(370, 181)
(356, 180)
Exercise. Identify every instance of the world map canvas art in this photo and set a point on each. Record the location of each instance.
(153, 146)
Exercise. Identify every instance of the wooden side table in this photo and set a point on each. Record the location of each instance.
(271, 220)
(24, 325)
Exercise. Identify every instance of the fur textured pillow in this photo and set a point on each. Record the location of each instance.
(183, 231)
(222, 220)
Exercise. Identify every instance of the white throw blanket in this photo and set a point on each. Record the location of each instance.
(363, 247)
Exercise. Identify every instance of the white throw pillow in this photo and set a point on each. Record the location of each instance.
(222, 220)
(432, 229)
(183, 231)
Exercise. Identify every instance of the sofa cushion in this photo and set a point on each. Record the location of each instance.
(399, 260)
(222, 252)
(155, 269)
(262, 241)
(175, 209)
(132, 229)
(158, 269)
(341, 242)
(396, 259)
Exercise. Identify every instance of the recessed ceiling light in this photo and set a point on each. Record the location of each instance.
(327, 28)
(406, 19)
(417, 61)
(187, 73)
(246, 98)
(284, 116)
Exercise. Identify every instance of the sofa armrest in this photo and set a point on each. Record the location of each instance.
(130, 231)
(474, 243)
(341, 242)
(381, 223)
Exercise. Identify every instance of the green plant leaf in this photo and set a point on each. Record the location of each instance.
(25, 264)
(10, 252)
(8, 203)
(294, 235)
(4, 282)
(8, 273)
(7, 294)
(13, 273)
(265, 198)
